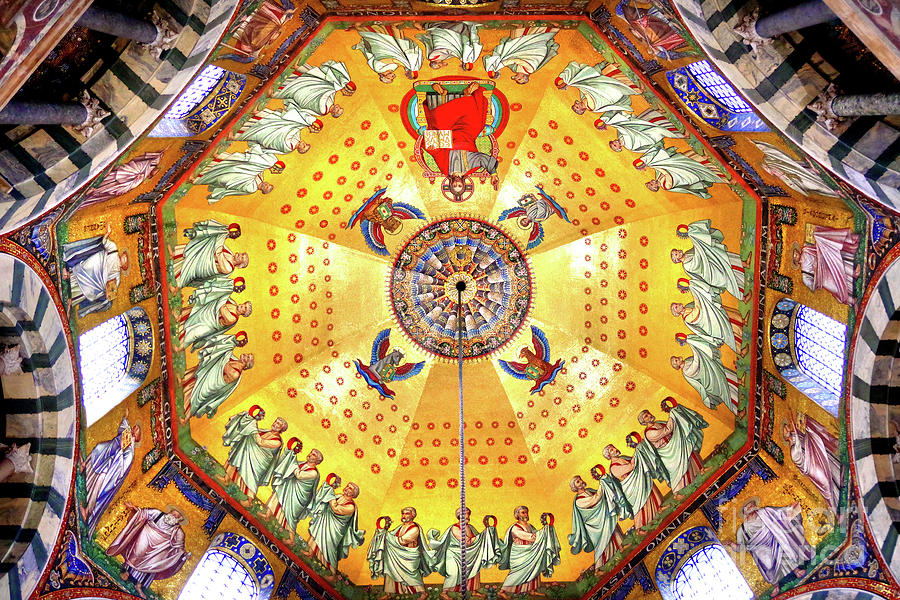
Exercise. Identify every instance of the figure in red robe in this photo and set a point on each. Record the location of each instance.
(463, 115)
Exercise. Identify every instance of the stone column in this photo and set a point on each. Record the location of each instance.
(794, 18)
(119, 25)
(157, 35)
(832, 108)
(85, 115)
(755, 31)
(34, 113)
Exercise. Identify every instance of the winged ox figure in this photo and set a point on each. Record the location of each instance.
(535, 368)
(386, 365)
(532, 211)
(379, 214)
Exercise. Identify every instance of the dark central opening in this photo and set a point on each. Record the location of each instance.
(460, 286)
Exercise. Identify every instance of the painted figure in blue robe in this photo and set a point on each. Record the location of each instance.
(386, 365)
(532, 211)
(93, 268)
(379, 214)
(105, 471)
(536, 368)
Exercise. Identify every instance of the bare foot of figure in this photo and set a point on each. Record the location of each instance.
(439, 89)
(741, 414)
(247, 503)
(174, 288)
(445, 596)
(470, 89)
(745, 350)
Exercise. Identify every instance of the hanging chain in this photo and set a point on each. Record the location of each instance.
(463, 522)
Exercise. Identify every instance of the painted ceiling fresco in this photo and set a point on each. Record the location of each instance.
(311, 274)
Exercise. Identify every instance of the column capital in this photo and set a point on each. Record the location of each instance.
(166, 36)
(822, 106)
(746, 31)
(95, 114)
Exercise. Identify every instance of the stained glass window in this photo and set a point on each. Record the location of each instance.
(716, 86)
(819, 345)
(219, 576)
(710, 573)
(104, 354)
(114, 359)
(196, 92)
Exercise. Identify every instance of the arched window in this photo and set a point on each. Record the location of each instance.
(206, 100)
(114, 358)
(710, 97)
(808, 349)
(695, 566)
(233, 568)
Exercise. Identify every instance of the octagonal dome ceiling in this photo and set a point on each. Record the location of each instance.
(356, 251)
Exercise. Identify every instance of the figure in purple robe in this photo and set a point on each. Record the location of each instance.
(105, 471)
(829, 262)
(774, 537)
(814, 450)
(152, 545)
(123, 179)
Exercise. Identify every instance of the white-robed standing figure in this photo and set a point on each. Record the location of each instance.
(151, 544)
(385, 48)
(677, 442)
(253, 451)
(212, 313)
(483, 550)
(239, 173)
(638, 133)
(814, 451)
(635, 475)
(105, 471)
(402, 556)
(775, 538)
(214, 378)
(523, 52)
(682, 172)
(279, 130)
(333, 527)
(313, 88)
(527, 553)
(595, 518)
(706, 373)
(709, 260)
(458, 39)
(707, 316)
(793, 173)
(294, 486)
(93, 268)
(205, 255)
(602, 88)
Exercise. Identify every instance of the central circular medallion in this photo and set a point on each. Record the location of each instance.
(496, 287)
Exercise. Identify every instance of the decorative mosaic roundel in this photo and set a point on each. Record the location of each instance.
(424, 287)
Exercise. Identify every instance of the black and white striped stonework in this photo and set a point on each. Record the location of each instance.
(875, 413)
(781, 82)
(46, 164)
(39, 406)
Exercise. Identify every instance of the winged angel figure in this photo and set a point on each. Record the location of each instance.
(532, 211)
(386, 365)
(535, 368)
(380, 213)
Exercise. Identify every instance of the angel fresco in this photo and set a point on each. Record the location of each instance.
(386, 365)
(535, 368)
(379, 214)
(532, 211)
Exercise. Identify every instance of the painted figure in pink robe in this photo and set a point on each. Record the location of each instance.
(123, 179)
(774, 537)
(814, 451)
(828, 263)
(152, 544)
